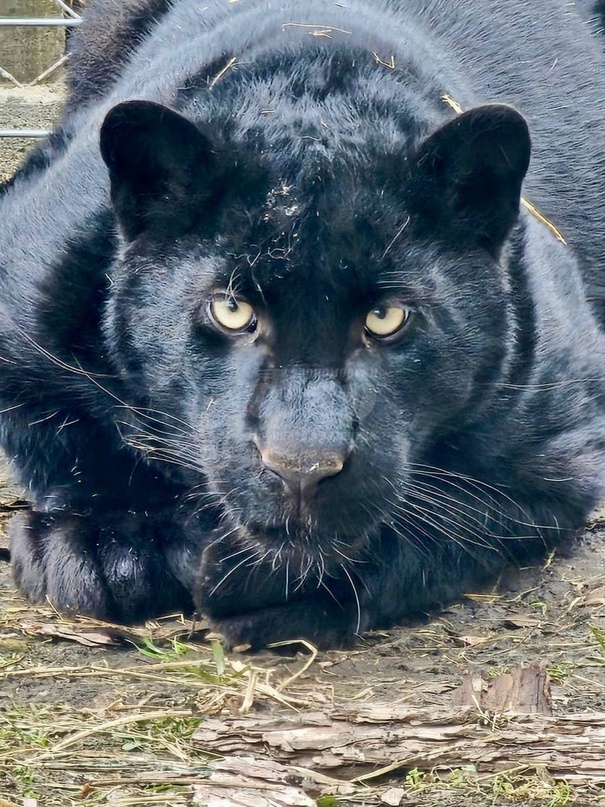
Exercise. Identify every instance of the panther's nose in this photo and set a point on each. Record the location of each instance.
(301, 474)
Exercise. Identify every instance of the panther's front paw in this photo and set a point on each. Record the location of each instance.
(324, 623)
(250, 605)
(111, 568)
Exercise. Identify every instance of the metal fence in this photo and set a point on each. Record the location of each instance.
(67, 18)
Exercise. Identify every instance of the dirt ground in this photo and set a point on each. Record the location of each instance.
(94, 715)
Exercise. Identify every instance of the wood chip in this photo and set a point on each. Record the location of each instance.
(362, 742)
(393, 796)
(525, 690)
(247, 782)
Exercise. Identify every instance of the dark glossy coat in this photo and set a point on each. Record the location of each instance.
(301, 477)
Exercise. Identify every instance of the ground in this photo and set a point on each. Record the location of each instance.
(91, 714)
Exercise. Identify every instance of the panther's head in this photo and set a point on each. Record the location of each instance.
(296, 333)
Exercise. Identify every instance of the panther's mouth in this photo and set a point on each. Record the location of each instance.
(302, 542)
(329, 529)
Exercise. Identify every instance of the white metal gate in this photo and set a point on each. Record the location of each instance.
(67, 18)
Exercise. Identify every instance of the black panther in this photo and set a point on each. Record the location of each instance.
(292, 331)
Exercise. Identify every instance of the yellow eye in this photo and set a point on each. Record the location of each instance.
(386, 320)
(231, 314)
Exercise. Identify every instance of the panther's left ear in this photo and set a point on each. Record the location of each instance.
(470, 173)
(161, 166)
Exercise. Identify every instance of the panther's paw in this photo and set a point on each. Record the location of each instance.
(323, 623)
(110, 568)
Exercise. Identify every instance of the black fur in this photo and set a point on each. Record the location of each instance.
(300, 476)
(112, 33)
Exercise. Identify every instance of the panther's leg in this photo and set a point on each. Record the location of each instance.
(105, 536)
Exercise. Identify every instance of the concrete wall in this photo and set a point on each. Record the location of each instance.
(26, 52)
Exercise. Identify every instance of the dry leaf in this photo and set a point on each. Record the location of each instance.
(595, 597)
(471, 641)
(89, 637)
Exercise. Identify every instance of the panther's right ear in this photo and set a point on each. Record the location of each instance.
(161, 166)
(469, 173)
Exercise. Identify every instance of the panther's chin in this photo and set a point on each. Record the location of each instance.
(303, 542)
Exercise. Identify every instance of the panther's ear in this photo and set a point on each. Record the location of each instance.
(470, 173)
(161, 167)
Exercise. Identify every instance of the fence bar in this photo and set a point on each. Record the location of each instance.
(66, 22)
(67, 9)
(59, 63)
(24, 133)
(39, 21)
